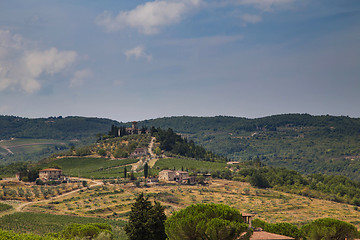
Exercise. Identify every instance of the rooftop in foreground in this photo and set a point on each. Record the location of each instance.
(262, 235)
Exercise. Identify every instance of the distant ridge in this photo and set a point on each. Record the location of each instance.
(306, 143)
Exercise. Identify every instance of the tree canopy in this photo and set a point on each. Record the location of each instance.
(206, 221)
(329, 229)
(146, 221)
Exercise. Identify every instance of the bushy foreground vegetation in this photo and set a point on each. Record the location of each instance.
(43, 224)
(207, 221)
(323, 228)
(99, 231)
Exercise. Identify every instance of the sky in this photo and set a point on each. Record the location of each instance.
(137, 60)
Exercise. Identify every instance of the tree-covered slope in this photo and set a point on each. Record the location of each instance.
(53, 127)
(23, 139)
(306, 143)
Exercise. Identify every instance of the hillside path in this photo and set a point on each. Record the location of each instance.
(150, 159)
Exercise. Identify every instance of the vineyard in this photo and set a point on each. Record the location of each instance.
(189, 164)
(92, 167)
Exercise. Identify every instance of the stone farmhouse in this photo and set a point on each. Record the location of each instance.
(177, 176)
(51, 174)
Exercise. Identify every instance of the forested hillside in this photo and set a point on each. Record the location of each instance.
(53, 127)
(23, 139)
(306, 143)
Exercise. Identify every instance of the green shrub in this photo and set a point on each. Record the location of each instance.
(90, 231)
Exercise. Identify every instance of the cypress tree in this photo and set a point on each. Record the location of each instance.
(146, 222)
(146, 170)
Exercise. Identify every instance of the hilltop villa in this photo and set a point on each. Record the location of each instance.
(50, 174)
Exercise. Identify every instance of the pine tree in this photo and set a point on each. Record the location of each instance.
(146, 222)
(125, 172)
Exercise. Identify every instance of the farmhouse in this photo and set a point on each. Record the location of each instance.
(50, 174)
(177, 176)
(167, 175)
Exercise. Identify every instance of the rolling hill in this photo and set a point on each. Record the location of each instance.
(24, 139)
(308, 144)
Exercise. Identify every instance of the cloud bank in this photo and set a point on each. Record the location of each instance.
(22, 68)
(149, 17)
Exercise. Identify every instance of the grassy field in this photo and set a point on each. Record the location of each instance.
(114, 201)
(190, 164)
(42, 223)
(93, 167)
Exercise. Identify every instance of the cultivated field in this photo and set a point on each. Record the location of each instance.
(113, 201)
(93, 167)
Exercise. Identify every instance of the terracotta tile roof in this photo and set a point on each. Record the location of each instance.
(267, 236)
(50, 169)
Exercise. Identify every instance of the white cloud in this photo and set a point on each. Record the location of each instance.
(149, 17)
(138, 52)
(50, 61)
(251, 18)
(80, 77)
(21, 68)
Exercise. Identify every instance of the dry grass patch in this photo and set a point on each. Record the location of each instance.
(114, 201)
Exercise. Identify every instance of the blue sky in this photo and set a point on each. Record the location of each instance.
(135, 60)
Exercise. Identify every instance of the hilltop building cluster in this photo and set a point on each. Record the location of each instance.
(132, 130)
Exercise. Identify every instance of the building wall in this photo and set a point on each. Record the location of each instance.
(167, 175)
(46, 175)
